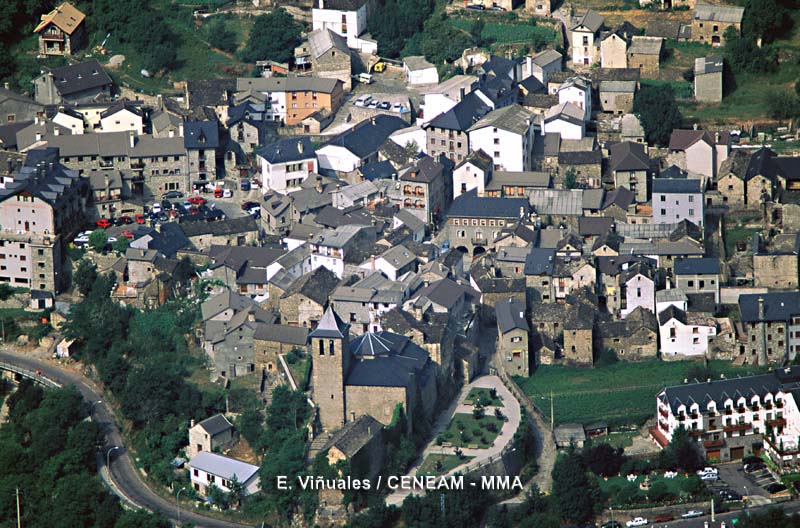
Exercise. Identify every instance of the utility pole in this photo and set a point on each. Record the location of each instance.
(19, 519)
(552, 417)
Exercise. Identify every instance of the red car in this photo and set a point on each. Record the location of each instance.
(104, 223)
(664, 518)
(194, 210)
(127, 234)
(217, 193)
(140, 219)
(124, 220)
(197, 200)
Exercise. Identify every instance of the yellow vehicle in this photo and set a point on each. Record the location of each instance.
(379, 67)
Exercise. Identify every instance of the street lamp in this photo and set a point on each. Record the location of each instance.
(178, 504)
(108, 459)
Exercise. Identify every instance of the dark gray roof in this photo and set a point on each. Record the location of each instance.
(386, 359)
(426, 170)
(330, 325)
(317, 285)
(366, 137)
(511, 315)
(628, 156)
(354, 435)
(80, 77)
(620, 196)
(471, 206)
(594, 225)
(229, 226)
(288, 150)
(119, 106)
(540, 262)
(209, 92)
(778, 306)
(377, 170)
(697, 266)
(291, 335)
(580, 157)
(447, 293)
(463, 115)
(676, 186)
(216, 424)
(43, 176)
(201, 135)
(341, 5)
(720, 390)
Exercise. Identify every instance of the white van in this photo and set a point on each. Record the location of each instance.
(365, 78)
(363, 100)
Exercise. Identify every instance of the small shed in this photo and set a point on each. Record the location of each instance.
(64, 348)
(569, 434)
(417, 70)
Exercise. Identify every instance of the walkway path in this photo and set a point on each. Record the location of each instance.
(511, 410)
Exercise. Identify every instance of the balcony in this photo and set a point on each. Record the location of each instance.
(479, 242)
(681, 417)
(728, 411)
(776, 422)
(694, 416)
(737, 427)
(696, 433)
(714, 444)
(664, 413)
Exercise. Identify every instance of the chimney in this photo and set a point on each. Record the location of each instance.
(418, 313)
(716, 137)
(760, 308)
(191, 423)
(132, 138)
(180, 130)
(107, 182)
(36, 119)
(373, 120)
(51, 165)
(318, 186)
(372, 263)
(251, 317)
(171, 133)
(57, 131)
(695, 126)
(461, 93)
(529, 61)
(10, 165)
(300, 147)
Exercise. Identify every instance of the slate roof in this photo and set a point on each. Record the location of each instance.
(417, 63)
(367, 136)
(354, 435)
(540, 262)
(288, 150)
(463, 115)
(568, 112)
(201, 135)
(291, 335)
(228, 226)
(778, 306)
(518, 178)
(447, 293)
(676, 186)
(286, 84)
(594, 225)
(532, 85)
(322, 40)
(341, 5)
(512, 118)
(710, 64)
(216, 424)
(620, 196)
(224, 467)
(379, 170)
(425, 170)
(471, 206)
(697, 266)
(718, 13)
(557, 201)
(683, 139)
(545, 57)
(393, 361)
(317, 285)
(591, 19)
(80, 77)
(222, 301)
(120, 106)
(480, 159)
(330, 325)
(209, 92)
(628, 87)
(498, 66)
(646, 45)
(50, 184)
(511, 316)
(673, 171)
(580, 157)
(628, 156)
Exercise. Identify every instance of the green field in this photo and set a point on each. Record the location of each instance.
(613, 485)
(482, 394)
(509, 32)
(448, 462)
(467, 437)
(736, 234)
(623, 393)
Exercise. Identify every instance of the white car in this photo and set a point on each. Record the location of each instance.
(709, 469)
(692, 514)
(363, 100)
(227, 193)
(636, 521)
(156, 209)
(254, 211)
(709, 476)
(81, 239)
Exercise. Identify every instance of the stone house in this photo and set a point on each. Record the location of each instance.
(630, 166)
(750, 180)
(273, 340)
(211, 435)
(587, 166)
(306, 301)
(83, 82)
(62, 31)
(772, 327)
(15, 108)
(242, 231)
(513, 329)
(698, 275)
(645, 54)
(229, 344)
(201, 141)
(367, 301)
(710, 22)
(360, 443)
(579, 336)
(448, 133)
(699, 152)
(616, 97)
(329, 56)
(633, 339)
(427, 188)
(617, 203)
(708, 73)
(539, 7)
(474, 222)
(776, 267)
(612, 51)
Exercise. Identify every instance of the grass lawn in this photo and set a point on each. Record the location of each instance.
(299, 371)
(624, 439)
(623, 393)
(735, 234)
(448, 462)
(483, 394)
(457, 438)
(613, 485)
(510, 32)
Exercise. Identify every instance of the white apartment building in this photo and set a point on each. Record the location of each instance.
(507, 136)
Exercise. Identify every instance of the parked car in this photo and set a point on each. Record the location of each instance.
(127, 234)
(373, 104)
(708, 469)
(227, 193)
(156, 208)
(691, 514)
(754, 466)
(187, 206)
(731, 495)
(709, 476)
(244, 185)
(775, 488)
(140, 219)
(666, 517)
(249, 205)
(611, 524)
(103, 222)
(636, 521)
(197, 200)
(218, 192)
(363, 100)
(82, 238)
(255, 212)
(124, 220)
(172, 195)
(385, 105)
(479, 7)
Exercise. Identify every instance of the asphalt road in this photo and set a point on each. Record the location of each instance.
(123, 472)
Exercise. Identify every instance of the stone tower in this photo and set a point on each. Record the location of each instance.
(330, 364)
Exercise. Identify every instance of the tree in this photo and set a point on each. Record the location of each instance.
(571, 495)
(570, 179)
(85, 276)
(273, 37)
(121, 245)
(221, 36)
(603, 459)
(658, 112)
(782, 104)
(742, 54)
(98, 239)
(6, 291)
(765, 19)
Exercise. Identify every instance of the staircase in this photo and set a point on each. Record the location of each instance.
(316, 446)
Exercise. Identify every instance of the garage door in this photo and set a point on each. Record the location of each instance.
(713, 453)
(737, 453)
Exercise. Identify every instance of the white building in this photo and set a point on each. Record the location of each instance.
(640, 290)
(394, 262)
(565, 119)
(675, 199)
(683, 333)
(357, 146)
(578, 91)
(347, 18)
(446, 95)
(122, 117)
(507, 136)
(472, 173)
(328, 249)
(417, 70)
(207, 469)
(286, 164)
(68, 118)
(542, 66)
(585, 33)
(411, 135)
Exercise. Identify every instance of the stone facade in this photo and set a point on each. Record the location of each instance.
(452, 143)
(776, 271)
(579, 344)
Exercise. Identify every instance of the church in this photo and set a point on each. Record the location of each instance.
(369, 375)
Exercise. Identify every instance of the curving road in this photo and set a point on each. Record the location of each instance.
(124, 475)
